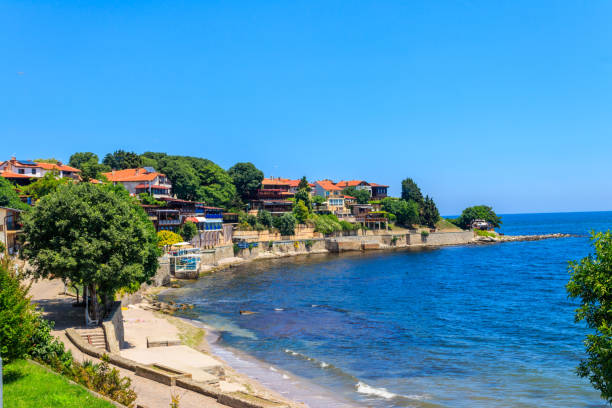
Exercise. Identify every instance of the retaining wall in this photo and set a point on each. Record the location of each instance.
(113, 328)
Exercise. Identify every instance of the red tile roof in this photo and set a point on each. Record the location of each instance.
(142, 185)
(378, 185)
(10, 174)
(350, 183)
(132, 175)
(328, 185)
(52, 166)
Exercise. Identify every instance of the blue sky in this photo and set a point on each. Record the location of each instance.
(502, 103)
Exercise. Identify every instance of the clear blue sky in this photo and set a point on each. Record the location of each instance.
(505, 103)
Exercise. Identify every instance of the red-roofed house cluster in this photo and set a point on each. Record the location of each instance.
(275, 193)
(23, 172)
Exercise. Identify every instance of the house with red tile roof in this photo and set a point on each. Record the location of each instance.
(141, 180)
(26, 171)
(377, 191)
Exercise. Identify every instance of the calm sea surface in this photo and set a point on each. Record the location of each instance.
(466, 326)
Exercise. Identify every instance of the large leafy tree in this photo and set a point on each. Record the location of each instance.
(300, 211)
(482, 212)
(9, 196)
(591, 284)
(194, 178)
(120, 160)
(411, 191)
(93, 235)
(362, 196)
(406, 212)
(89, 165)
(44, 185)
(429, 212)
(304, 197)
(246, 178)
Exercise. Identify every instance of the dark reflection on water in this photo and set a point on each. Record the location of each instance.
(458, 326)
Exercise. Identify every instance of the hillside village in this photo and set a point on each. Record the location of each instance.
(323, 205)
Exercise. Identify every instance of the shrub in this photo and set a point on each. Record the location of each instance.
(308, 243)
(483, 233)
(168, 238)
(424, 234)
(47, 349)
(270, 244)
(104, 380)
(236, 249)
(285, 224)
(264, 218)
(17, 314)
(394, 240)
(188, 230)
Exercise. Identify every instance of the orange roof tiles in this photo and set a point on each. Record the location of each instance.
(328, 185)
(10, 174)
(53, 166)
(131, 175)
(350, 183)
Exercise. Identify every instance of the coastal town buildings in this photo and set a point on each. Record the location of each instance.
(141, 180)
(23, 172)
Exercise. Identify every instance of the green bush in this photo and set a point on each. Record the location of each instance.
(236, 249)
(424, 234)
(308, 243)
(47, 349)
(17, 314)
(285, 224)
(482, 233)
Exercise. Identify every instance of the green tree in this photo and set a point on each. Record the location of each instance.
(410, 191)
(406, 212)
(120, 160)
(188, 230)
(591, 284)
(482, 212)
(303, 196)
(196, 179)
(246, 178)
(285, 224)
(17, 320)
(318, 200)
(93, 235)
(264, 218)
(429, 212)
(362, 196)
(9, 197)
(45, 185)
(303, 185)
(300, 211)
(89, 165)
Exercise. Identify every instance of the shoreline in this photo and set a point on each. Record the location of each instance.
(272, 381)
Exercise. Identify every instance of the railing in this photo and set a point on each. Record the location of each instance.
(169, 222)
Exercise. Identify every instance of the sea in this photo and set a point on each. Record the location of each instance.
(459, 326)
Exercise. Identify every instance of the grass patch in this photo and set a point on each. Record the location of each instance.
(190, 335)
(445, 224)
(28, 385)
(482, 233)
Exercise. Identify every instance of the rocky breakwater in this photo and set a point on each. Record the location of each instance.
(492, 238)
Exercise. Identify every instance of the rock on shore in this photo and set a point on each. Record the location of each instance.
(510, 238)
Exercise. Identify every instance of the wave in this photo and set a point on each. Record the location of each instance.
(366, 389)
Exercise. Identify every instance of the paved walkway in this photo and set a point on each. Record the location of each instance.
(151, 394)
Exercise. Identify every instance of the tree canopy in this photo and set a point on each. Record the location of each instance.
(94, 235)
(300, 211)
(429, 212)
(362, 196)
(47, 184)
(304, 185)
(406, 212)
(168, 238)
(9, 197)
(120, 160)
(195, 178)
(591, 284)
(285, 224)
(411, 191)
(188, 230)
(89, 165)
(482, 212)
(246, 178)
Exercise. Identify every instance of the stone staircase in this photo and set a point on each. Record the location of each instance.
(94, 336)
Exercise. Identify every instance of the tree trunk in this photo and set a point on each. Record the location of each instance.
(94, 302)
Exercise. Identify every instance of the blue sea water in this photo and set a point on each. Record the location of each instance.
(462, 326)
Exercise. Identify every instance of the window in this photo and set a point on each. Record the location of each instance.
(33, 171)
(21, 171)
